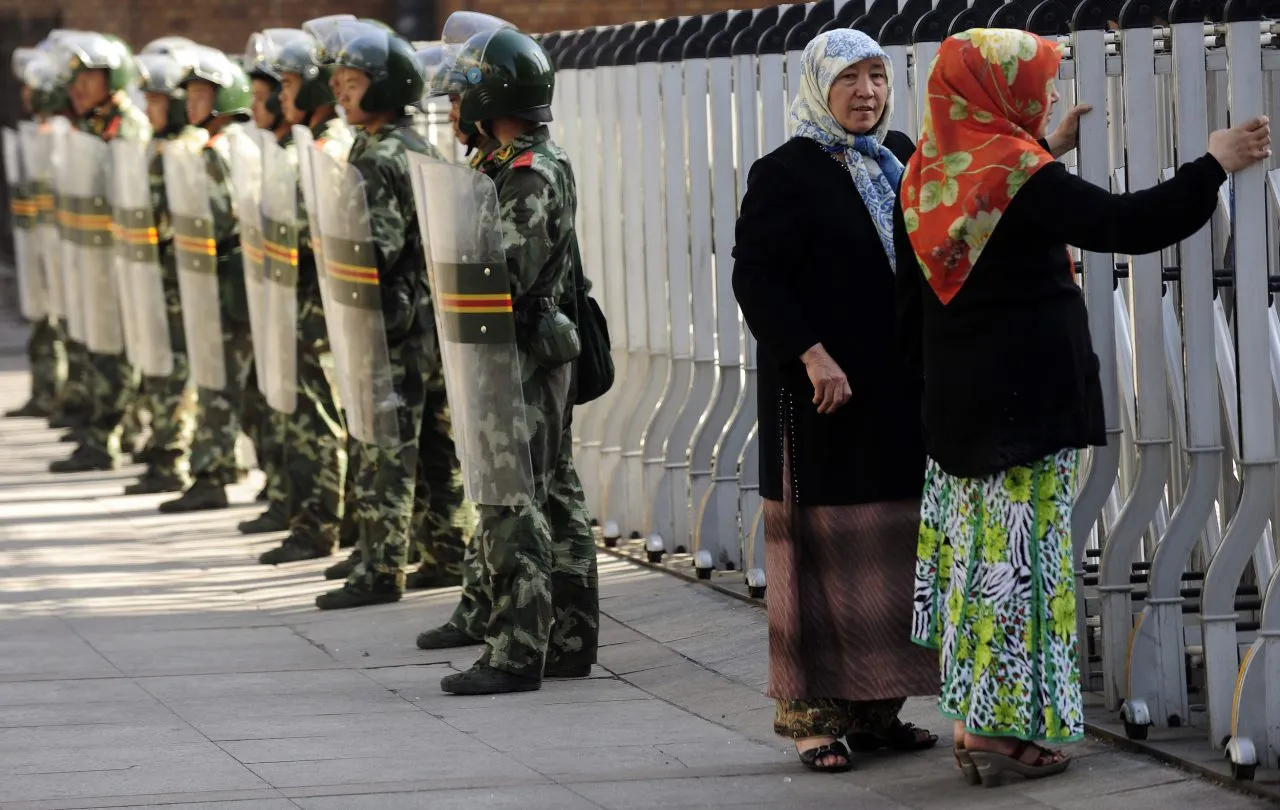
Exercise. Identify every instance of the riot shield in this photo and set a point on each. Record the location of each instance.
(32, 297)
(278, 378)
(138, 272)
(87, 189)
(467, 270)
(46, 246)
(353, 305)
(68, 261)
(246, 180)
(186, 182)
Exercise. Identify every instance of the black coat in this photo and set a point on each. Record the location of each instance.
(1010, 375)
(809, 268)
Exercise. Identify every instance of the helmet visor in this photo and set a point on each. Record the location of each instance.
(162, 72)
(463, 25)
(213, 66)
(90, 51)
(168, 45)
(436, 63)
(355, 44)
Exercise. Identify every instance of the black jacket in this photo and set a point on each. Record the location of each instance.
(1009, 371)
(809, 268)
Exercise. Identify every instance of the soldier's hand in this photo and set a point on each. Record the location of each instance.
(830, 385)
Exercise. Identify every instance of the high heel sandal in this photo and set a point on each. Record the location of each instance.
(992, 766)
(965, 762)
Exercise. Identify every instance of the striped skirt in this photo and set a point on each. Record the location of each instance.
(995, 595)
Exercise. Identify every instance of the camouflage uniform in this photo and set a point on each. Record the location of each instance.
(382, 501)
(171, 399)
(213, 456)
(314, 439)
(112, 383)
(538, 579)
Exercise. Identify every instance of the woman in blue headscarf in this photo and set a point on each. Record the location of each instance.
(841, 454)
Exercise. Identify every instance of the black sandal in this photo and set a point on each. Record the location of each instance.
(898, 737)
(810, 758)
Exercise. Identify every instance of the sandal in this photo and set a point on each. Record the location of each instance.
(992, 766)
(965, 762)
(897, 737)
(810, 758)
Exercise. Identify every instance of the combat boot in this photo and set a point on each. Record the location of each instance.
(562, 670)
(84, 460)
(263, 496)
(275, 519)
(146, 455)
(343, 569)
(294, 549)
(203, 494)
(73, 436)
(351, 596)
(484, 680)
(31, 410)
(445, 637)
(154, 482)
(429, 578)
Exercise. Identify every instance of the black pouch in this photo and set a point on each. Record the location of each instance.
(595, 362)
(550, 335)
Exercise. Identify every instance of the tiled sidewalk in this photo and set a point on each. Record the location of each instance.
(147, 661)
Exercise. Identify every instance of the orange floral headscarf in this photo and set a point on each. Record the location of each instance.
(988, 94)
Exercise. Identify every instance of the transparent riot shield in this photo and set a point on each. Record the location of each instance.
(186, 184)
(138, 272)
(280, 225)
(353, 305)
(87, 190)
(37, 146)
(32, 296)
(246, 179)
(68, 263)
(467, 269)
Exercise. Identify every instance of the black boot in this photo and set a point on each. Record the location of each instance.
(275, 519)
(431, 578)
(293, 550)
(343, 569)
(157, 481)
(445, 637)
(483, 680)
(31, 410)
(84, 460)
(204, 494)
(349, 596)
(563, 670)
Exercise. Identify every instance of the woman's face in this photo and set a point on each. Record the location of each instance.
(1048, 113)
(858, 95)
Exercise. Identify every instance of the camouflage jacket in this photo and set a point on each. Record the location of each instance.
(482, 155)
(538, 201)
(226, 226)
(118, 118)
(381, 158)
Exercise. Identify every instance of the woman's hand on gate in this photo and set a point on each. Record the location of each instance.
(830, 386)
(1066, 136)
(1243, 145)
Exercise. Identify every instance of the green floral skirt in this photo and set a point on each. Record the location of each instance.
(995, 595)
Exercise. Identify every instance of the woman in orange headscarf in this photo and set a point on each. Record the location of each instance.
(1011, 385)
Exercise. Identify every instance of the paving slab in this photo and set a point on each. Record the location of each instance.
(149, 662)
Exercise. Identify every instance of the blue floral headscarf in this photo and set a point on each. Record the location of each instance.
(811, 117)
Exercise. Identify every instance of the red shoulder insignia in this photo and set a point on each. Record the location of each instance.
(523, 162)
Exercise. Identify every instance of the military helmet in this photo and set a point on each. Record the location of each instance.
(89, 50)
(300, 56)
(163, 73)
(260, 60)
(48, 84)
(507, 74)
(232, 95)
(394, 80)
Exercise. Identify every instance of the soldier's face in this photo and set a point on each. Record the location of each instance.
(261, 91)
(455, 116)
(88, 90)
(351, 87)
(158, 110)
(290, 86)
(200, 97)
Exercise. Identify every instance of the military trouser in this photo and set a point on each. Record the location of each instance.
(349, 534)
(537, 562)
(213, 449)
(265, 428)
(113, 384)
(48, 359)
(77, 401)
(384, 482)
(442, 522)
(315, 441)
(172, 403)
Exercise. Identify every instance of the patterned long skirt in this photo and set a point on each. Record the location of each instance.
(995, 595)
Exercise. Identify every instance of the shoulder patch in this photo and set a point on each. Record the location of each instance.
(525, 161)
